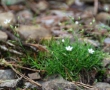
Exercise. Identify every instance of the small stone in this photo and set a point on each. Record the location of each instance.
(24, 16)
(50, 20)
(107, 41)
(34, 75)
(7, 74)
(9, 83)
(106, 61)
(102, 86)
(33, 32)
(61, 13)
(42, 5)
(103, 17)
(3, 36)
(107, 88)
(6, 16)
(28, 85)
(92, 42)
(58, 83)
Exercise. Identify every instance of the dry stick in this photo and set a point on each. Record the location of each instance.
(83, 85)
(5, 63)
(11, 35)
(28, 68)
(95, 7)
(25, 77)
(15, 38)
(10, 50)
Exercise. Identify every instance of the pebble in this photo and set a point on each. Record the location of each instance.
(33, 32)
(103, 17)
(34, 75)
(58, 83)
(42, 5)
(3, 36)
(102, 86)
(107, 41)
(92, 42)
(106, 61)
(7, 74)
(24, 16)
(7, 19)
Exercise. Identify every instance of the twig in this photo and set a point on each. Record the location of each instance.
(84, 85)
(11, 36)
(10, 50)
(95, 7)
(28, 68)
(25, 77)
(5, 63)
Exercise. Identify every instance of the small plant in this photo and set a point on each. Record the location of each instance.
(68, 59)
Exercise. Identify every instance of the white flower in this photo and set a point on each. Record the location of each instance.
(91, 51)
(90, 23)
(106, 8)
(76, 22)
(59, 23)
(7, 21)
(63, 40)
(69, 48)
(93, 20)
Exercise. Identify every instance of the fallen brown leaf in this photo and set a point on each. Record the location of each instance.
(40, 47)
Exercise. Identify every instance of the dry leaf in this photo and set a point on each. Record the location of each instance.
(40, 47)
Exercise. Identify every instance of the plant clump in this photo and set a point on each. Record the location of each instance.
(68, 59)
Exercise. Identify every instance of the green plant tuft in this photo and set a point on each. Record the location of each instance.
(68, 63)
